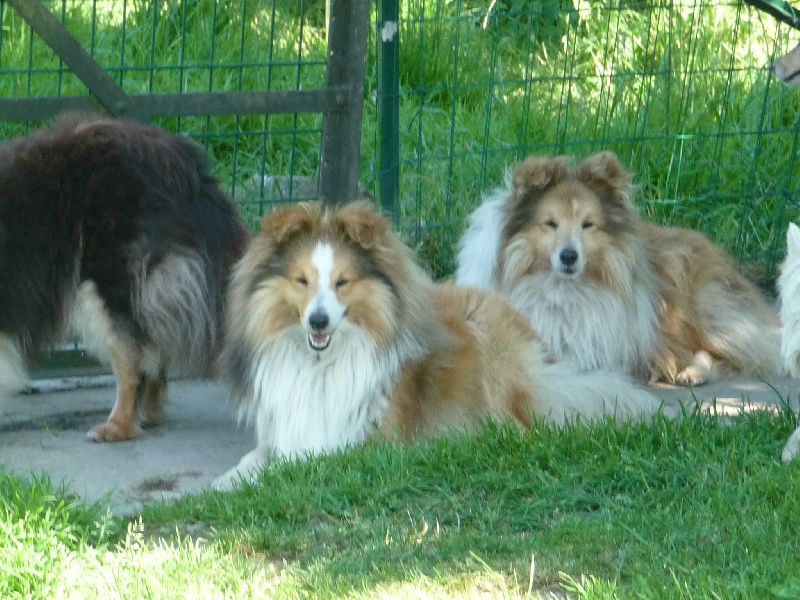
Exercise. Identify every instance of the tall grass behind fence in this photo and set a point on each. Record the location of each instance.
(171, 46)
(679, 90)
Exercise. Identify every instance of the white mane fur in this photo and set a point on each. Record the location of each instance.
(789, 289)
(587, 325)
(307, 403)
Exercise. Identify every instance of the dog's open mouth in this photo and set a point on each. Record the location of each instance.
(319, 341)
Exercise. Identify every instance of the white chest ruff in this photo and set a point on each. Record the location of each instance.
(309, 403)
(587, 325)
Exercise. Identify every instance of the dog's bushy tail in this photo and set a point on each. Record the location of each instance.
(562, 394)
(479, 247)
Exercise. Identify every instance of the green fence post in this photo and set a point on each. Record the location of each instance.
(388, 43)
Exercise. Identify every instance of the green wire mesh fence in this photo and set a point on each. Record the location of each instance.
(189, 46)
(680, 90)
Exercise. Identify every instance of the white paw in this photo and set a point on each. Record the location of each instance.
(249, 469)
(792, 447)
(231, 480)
(690, 377)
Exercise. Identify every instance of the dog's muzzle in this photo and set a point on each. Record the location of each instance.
(319, 339)
(568, 260)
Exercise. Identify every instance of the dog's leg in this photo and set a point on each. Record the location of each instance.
(248, 469)
(13, 374)
(153, 397)
(702, 369)
(792, 447)
(121, 424)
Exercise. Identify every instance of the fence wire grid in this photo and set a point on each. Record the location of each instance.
(681, 91)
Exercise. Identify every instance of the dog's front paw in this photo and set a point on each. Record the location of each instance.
(690, 377)
(699, 372)
(792, 447)
(111, 431)
(230, 481)
(249, 469)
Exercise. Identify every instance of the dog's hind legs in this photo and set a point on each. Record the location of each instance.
(13, 374)
(121, 423)
(152, 397)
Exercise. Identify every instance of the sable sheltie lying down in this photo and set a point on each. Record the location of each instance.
(604, 290)
(119, 230)
(336, 333)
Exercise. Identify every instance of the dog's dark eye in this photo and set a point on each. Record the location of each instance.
(302, 281)
(587, 224)
(551, 224)
(341, 283)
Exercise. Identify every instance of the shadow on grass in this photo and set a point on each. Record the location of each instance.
(633, 504)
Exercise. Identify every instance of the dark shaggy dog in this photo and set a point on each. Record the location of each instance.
(120, 230)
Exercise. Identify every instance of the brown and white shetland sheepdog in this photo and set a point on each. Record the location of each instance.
(120, 230)
(334, 333)
(604, 290)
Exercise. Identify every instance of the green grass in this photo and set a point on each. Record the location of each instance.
(681, 91)
(691, 508)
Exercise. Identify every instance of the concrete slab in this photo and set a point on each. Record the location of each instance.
(45, 432)
(198, 441)
(731, 396)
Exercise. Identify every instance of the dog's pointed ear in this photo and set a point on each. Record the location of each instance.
(602, 170)
(284, 223)
(360, 223)
(528, 181)
(793, 239)
(535, 173)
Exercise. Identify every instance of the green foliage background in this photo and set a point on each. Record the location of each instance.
(680, 90)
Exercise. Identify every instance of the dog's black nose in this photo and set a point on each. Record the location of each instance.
(568, 256)
(318, 320)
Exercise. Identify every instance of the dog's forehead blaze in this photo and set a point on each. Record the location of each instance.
(322, 261)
